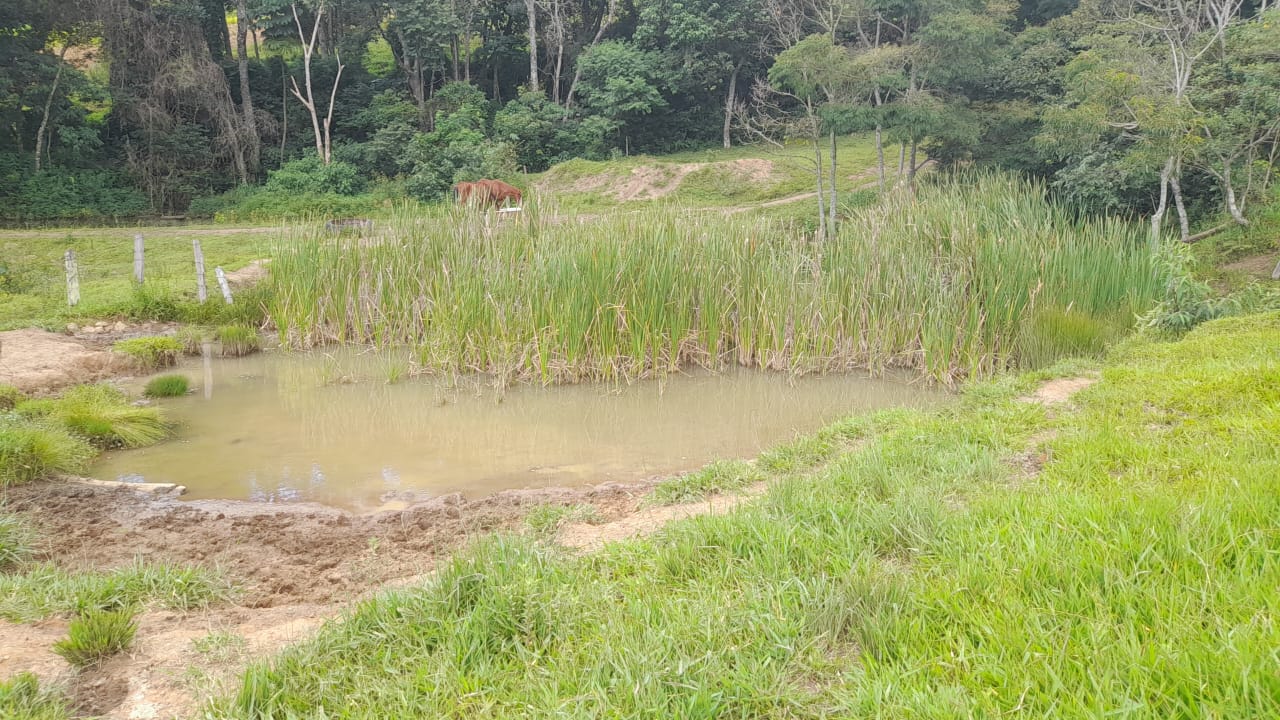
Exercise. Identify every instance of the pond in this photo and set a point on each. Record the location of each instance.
(330, 428)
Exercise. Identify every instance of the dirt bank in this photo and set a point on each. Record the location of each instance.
(36, 361)
(297, 565)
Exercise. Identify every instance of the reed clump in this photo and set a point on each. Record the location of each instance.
(949, 283)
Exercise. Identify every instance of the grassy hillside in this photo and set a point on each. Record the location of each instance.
(741, 177)
(998, 558)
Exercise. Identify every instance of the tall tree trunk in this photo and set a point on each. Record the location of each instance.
(1184, 225)
(831, 215)
(531, 8)
(1157, 218)
(728, 104)
(1233, 207)
(577, 70)
(555, 79)
(880, 156)
(911, 169)
(818, 172)
(48, 106)
(902, 161)
(254, 142)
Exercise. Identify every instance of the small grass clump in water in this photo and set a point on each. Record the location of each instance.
(30, 451)
(946, 282)
(238, 340)
(718, 477)
(151, 353)
(97, 634)
(167, 386)
(926, 571)
(22, 697)
(100, 414)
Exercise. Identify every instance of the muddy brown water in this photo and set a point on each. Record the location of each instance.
(329, 428)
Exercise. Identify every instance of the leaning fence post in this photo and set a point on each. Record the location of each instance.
(222, 283)
(73, 278)
(202, 293)
(137, 258)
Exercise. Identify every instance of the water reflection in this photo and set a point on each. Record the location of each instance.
(282, 427)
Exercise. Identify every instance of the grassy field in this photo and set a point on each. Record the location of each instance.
(33, 279)
(965, 279)
(993, 559)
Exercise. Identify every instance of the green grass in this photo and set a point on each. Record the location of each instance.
(16, 538)
(151, 353)
(548, 518)
(949, 283)
(44, 590)
(238, 340)
(918, 566)
(100, 414)
(9, 396)
(30, 451)
(718, 477)
(167, 386)
(192, 338)
(725, 178)
(96, 635)
(105, 257)
(22, 697)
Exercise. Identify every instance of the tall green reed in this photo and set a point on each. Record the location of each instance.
(950, 282)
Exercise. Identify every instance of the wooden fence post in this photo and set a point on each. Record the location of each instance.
(137, 258)
(73, 278)
(222, 283)
(202, 293)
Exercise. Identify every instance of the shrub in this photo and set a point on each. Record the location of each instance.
(151, 353)
(167, 386)
(9, 396)
(310, 175)
(83, 194)
(15, 541)
(238, 340)
(101, 415)
(720, 476)
(21, 697)
(97, 634)
(30, 452)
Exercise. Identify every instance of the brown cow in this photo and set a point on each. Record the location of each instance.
(486, 193)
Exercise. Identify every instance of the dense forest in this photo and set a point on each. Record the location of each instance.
(1168, 109)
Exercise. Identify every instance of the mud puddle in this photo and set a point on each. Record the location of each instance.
(330, 428)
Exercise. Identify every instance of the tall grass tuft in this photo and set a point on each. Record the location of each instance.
(97, 634)
(100, 414)
(22, 697)
(192, 338)
(15, 541)
(238, 340)
(9, 396)
(949, 283)
(151, 353)
(32, 451)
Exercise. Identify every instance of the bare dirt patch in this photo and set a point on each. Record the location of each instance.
(651, 182)
(1060, 390)
(297, 564)
(249, 275)
(645, 521)
(36, 361)
(1259, 266)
